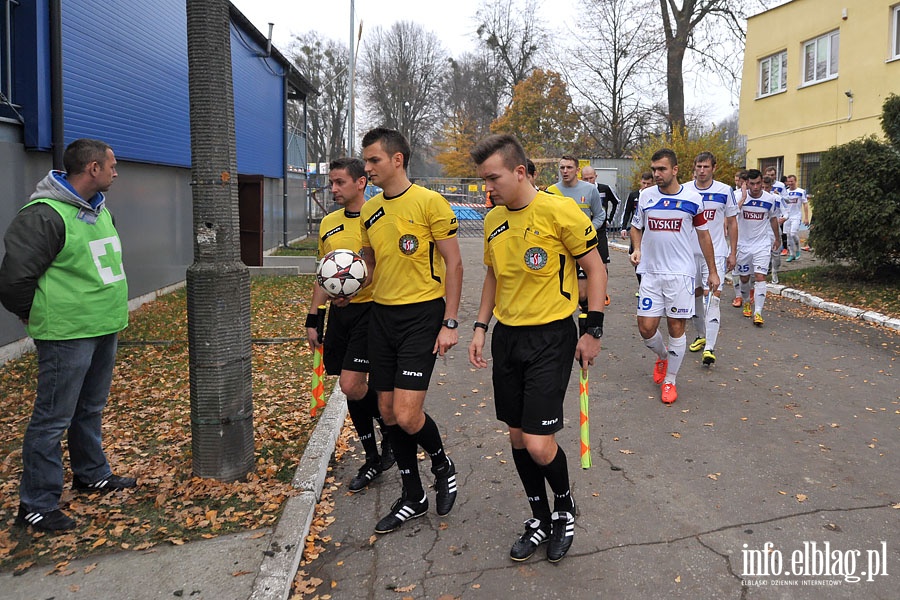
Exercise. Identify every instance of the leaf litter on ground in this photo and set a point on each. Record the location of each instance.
(146, 431)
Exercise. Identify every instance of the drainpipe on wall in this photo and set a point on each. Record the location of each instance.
(284, 171)
(57, 121)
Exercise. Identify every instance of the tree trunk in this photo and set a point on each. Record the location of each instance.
(218, 284)
(675, 85)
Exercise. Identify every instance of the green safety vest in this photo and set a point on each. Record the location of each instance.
(83, 293)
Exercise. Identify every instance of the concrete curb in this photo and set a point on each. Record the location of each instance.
(282, 557)
(808, 299)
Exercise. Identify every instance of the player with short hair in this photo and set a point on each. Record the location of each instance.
(720, 211)
(758, 224)
(667, 220)
(587, 197)
(531, 245)
(739, 193)
(409, 244)
(796, 208)
(346, 353)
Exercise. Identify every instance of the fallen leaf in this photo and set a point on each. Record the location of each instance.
(627, 451)
(240, 573)
(714, 476)
(678, 579)
(405, 588)
(801, 497)
(675, 434)
(90, 568)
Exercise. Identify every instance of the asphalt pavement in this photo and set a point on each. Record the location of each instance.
(774, 475)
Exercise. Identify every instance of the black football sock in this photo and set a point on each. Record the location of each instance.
(365, 429)
(557, 475)
(405, 448)
(533, 482)
(429, 437)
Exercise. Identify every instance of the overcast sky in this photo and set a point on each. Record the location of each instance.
(452, 21)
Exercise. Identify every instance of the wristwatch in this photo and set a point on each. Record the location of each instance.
(594, 332)
(450, 323)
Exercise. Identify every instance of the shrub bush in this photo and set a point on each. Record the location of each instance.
(857, 205)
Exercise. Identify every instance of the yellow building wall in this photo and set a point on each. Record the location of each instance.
(813, 118)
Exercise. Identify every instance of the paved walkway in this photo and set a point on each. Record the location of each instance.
(789, 440)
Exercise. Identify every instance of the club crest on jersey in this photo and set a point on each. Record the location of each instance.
(535, 258)
(656, 224)
(409, 244)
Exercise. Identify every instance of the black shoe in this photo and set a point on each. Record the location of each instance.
(54, 520)
(387, 453)
(445, 487)
(562, 533)
(403, 510)
(109, 483)
(368, 473)
(534, 536)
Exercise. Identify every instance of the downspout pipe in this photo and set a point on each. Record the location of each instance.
(57, 119)
(284, 166)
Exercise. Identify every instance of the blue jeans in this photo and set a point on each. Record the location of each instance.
(73, 384)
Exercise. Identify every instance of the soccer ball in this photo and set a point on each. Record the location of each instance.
(341, 273)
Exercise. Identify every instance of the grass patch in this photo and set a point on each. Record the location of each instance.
(846, 285)
(147, 427)
(306, 247)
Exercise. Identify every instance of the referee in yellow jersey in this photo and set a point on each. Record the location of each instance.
(346, 352)
(409, 243)
(532, 242)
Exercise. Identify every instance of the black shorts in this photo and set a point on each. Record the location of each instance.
(401, 340)
(346, 346)
(532, 365)
(602, 247)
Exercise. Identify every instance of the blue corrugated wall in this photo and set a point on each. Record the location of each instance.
(125, 76)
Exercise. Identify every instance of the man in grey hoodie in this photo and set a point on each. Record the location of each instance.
(62, 275)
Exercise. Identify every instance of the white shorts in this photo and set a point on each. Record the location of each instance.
(753, 260)
(700, 279)
(666, 295)
(791, 226)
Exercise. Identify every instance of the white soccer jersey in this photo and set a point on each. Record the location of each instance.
(778, 188)
(669, 223)
(754, 221)
(718, 203)
(792, 200)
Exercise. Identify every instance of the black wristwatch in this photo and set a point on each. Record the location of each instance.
(594, 332)
(479, 325)
(450, 323)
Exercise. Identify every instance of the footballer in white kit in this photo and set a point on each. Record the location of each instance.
(667, 222)
(758, 226)
(796, 209)
(720, 210)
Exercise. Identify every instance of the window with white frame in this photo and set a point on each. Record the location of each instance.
(773, 74)
(820, 58)
(895, 32)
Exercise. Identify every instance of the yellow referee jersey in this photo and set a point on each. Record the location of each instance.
(402, 231)
(337, 230)
(532, 252)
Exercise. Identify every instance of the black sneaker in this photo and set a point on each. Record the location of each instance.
(534, 536)
(387, 453)
(403, 510)
(54, 520)
(368, 473)
(562, 533)
(110, 483)
(445, 487)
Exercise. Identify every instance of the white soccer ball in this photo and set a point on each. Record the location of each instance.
(341, 273)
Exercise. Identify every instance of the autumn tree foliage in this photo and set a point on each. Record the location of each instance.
(687, 146)
(541, 115)
(457, 138)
